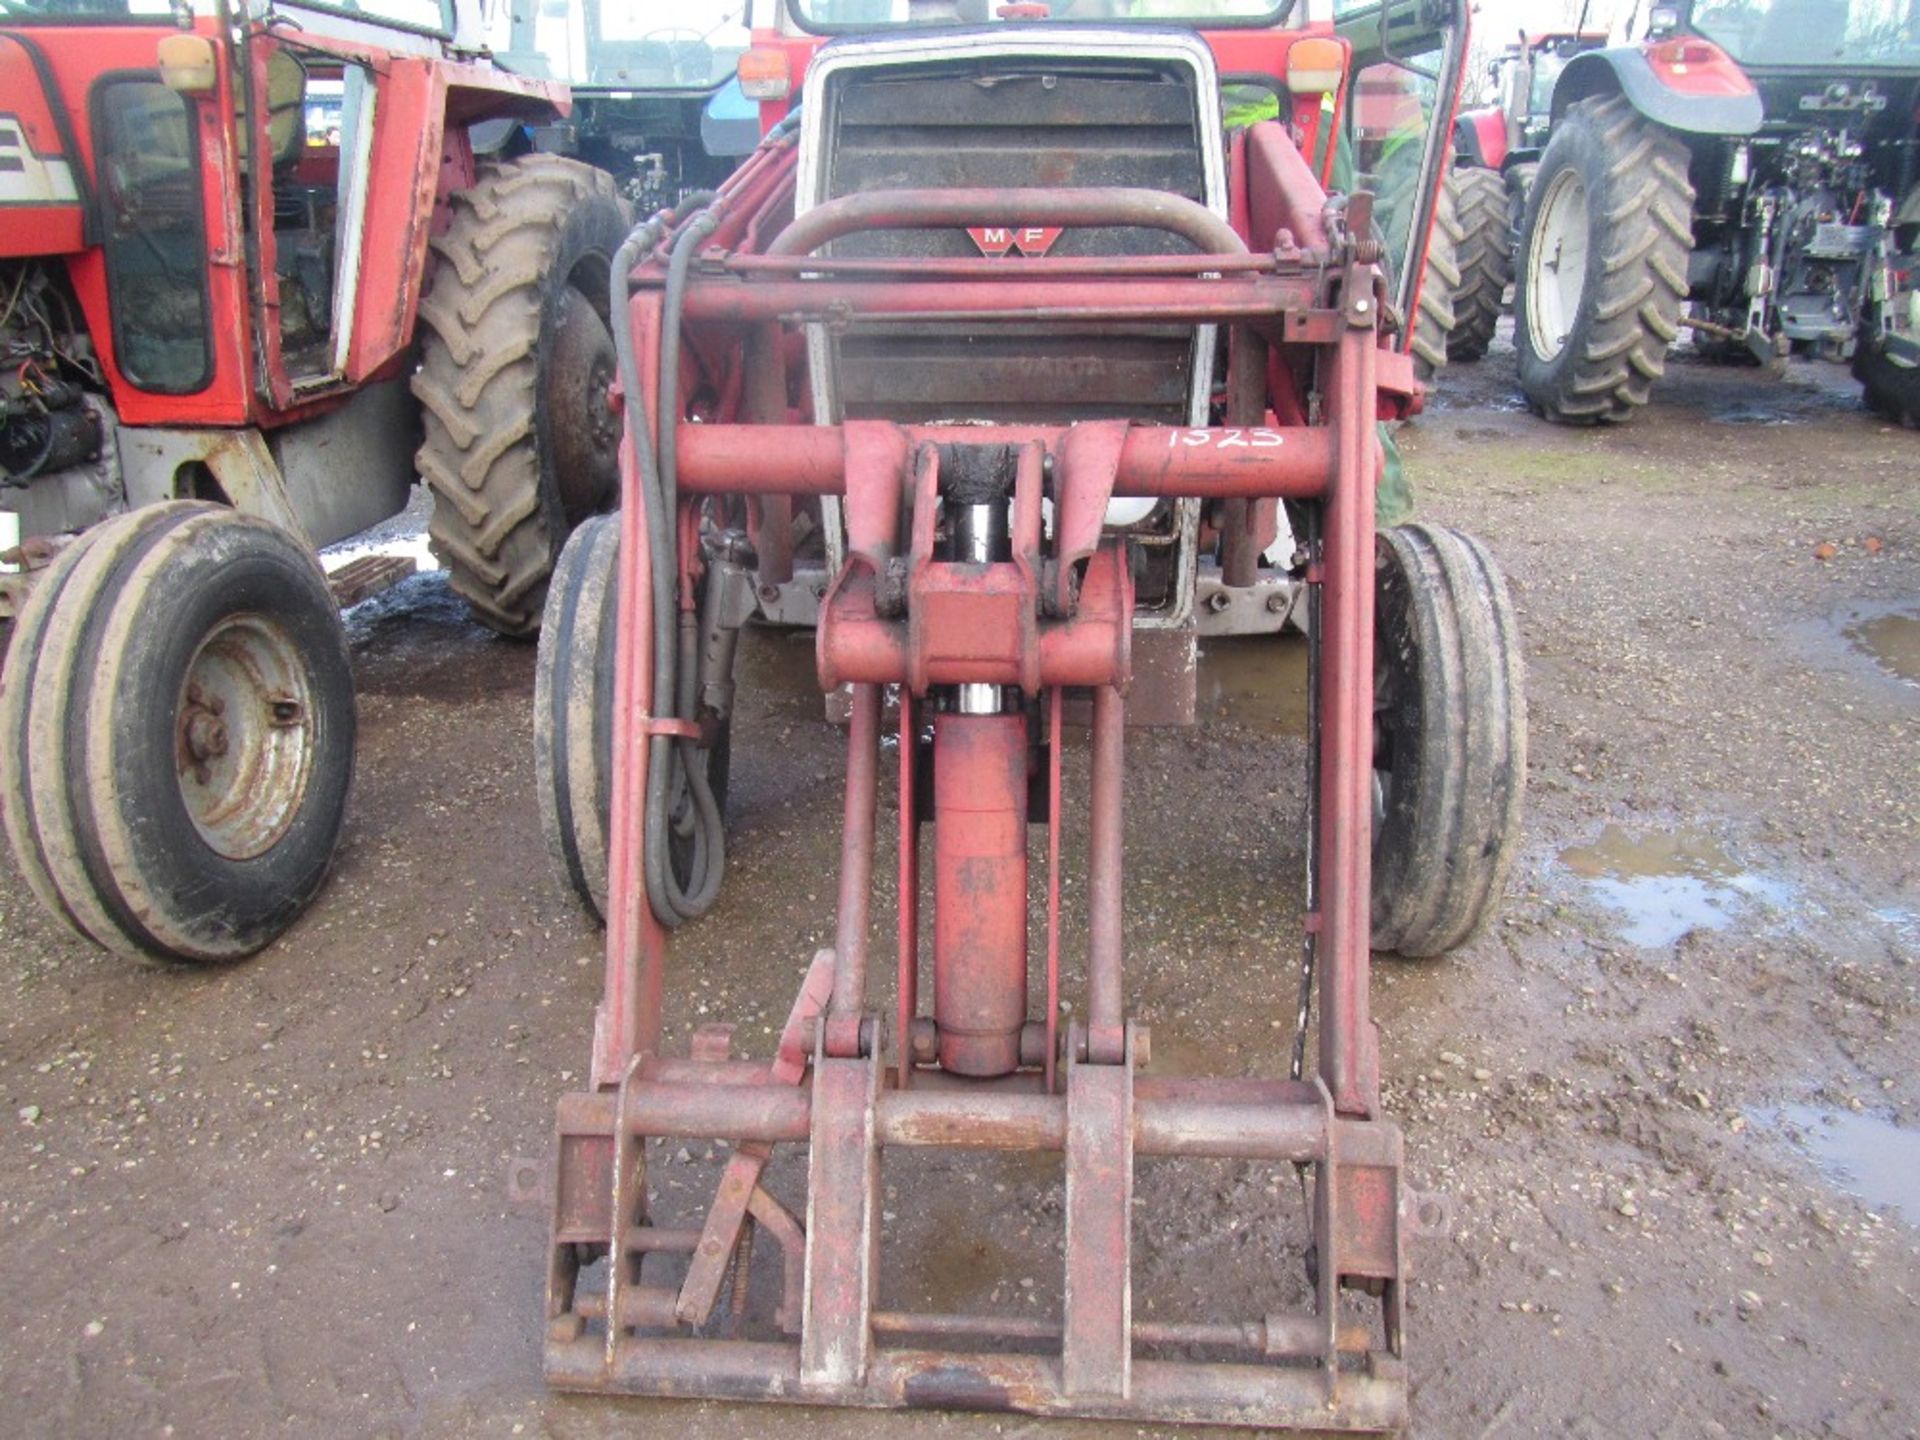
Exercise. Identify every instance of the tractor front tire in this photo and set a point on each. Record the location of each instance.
(573, 708)
(1484, 254)
(516, 358)
(1450, 739)
(177, 720)
(1602, 263)
(573, 717)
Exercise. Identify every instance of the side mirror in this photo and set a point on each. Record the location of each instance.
(187, 65)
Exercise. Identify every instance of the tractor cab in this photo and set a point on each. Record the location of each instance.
(194, 245)
(656, 102)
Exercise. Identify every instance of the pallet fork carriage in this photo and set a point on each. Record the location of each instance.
(981, 585)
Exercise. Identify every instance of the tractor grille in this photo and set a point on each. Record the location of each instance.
(1014, 123)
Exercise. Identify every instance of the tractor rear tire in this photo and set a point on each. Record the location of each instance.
(1891, 390)
(1450, 739)
(178, 722)
(1484, 252)
(573, 714)
(1602, 263)
(1433, 316)
(516, 357)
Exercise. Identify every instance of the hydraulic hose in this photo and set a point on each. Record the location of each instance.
(676, 766)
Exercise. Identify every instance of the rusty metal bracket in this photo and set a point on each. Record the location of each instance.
(843, 1179)
(1096, 1358)
(724, 1230)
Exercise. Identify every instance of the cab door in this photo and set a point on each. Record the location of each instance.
(305, 119)
(312, 92)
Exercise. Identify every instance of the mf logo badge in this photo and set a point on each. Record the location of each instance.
(998, 240)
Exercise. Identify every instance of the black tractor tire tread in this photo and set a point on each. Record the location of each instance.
(20, 680)
(55, 824)
(1438, 881)
(1484, 251)
(1643, 204)
(495, 523)
(1890, 390)
(120, 878)
(574, 664)
(1434, 313)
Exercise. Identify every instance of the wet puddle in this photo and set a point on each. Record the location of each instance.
(1745, 412)
(1864, 1154)
(1259, 682)
(1668, 882)
(1889, 635)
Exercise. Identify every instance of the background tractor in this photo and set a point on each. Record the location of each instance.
(1497, 149)
(655, 99)
(1018, 311)
(259, 268)
(1750, 169)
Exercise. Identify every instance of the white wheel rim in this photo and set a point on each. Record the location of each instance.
(1557, 264)
(244, 736)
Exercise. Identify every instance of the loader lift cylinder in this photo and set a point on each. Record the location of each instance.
(979, 845)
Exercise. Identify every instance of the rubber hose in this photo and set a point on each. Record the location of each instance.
(662, 893)
(677, 762)
(672, 762)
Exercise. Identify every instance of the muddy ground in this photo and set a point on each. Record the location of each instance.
(1667, 1093)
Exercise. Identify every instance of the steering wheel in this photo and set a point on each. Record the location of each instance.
(688, 56)
(684, 46)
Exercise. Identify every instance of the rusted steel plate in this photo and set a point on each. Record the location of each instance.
(1168, 1392)
(843, 1174)
(728, 1213)
(1096, 1355)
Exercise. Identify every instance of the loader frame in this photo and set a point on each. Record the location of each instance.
(847, 1084)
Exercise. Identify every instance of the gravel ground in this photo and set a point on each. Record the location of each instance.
(1669, 1093)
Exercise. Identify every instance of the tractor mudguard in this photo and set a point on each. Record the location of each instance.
(1688, 85)
(1480, 138)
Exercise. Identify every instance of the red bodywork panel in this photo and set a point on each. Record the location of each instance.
(1490, 129)
(419, 155)
(54, 226)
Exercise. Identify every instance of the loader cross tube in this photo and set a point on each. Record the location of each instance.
(971, 625)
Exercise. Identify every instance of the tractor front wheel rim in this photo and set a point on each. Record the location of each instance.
(244, 736)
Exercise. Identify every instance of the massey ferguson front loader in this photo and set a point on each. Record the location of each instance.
(998, 293)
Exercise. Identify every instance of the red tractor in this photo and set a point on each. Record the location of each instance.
(1750, 171)
(1002, 303)
(255, 273)
(1498, 150)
